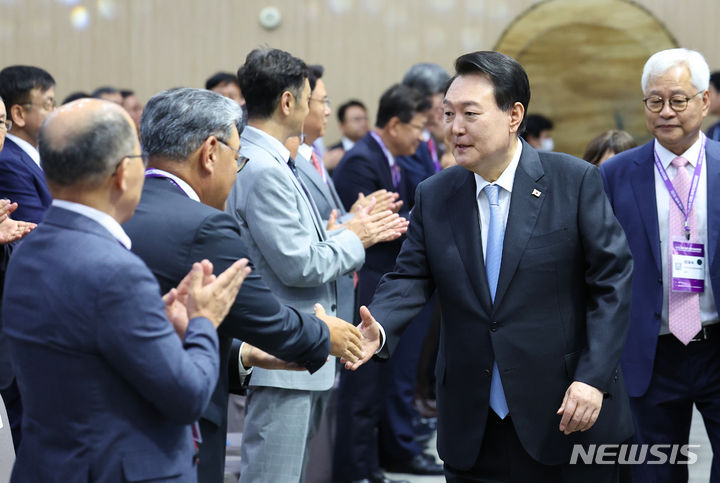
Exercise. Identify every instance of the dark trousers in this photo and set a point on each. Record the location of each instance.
(13, 406)
(682, 375)
(503, 459)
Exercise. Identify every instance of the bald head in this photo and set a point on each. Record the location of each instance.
(82, 142)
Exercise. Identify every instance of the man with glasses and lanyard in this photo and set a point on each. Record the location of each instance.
(663, 194)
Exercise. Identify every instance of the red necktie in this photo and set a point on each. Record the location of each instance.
(316, 163)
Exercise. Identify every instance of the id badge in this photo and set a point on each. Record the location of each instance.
(688, 266)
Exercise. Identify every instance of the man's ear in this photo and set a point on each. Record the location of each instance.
(209, 152)
(120, 178)
(517, 114)
(287, 103)
(17, 115)
(392, 126)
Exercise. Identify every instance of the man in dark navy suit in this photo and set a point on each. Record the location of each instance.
(672, 356)
(28, 94)
(532, 272)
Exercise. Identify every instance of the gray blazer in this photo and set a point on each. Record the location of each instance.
(289, 246)
(326, 199)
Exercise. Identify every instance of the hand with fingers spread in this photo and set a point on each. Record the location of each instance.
(375, 228)
(371, 339)
(344, 337)
(332, 223)
(12, 230)
(211, 297)
(580, 407)
(176, 299)
(251, 356)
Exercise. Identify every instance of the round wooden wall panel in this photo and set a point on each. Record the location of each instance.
(584, 59)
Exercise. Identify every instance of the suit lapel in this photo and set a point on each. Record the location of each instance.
(250, 137)
(385, 174)
(311, 174)
(712, 163)
(463, 213)
(642, 179)
(524, 210)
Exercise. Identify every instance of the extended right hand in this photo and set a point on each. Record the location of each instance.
(212, 297)
(344, 337)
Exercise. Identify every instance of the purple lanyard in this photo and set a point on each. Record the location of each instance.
(155, 173)
(693, 186)
(394, 170)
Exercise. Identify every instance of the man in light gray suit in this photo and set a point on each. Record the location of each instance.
(297, 257)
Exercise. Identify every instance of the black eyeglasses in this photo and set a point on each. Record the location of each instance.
(241, 160)
(6, 124)
(677, 103)
(144, 156)
(48, 104)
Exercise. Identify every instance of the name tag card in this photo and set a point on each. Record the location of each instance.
(688, 267)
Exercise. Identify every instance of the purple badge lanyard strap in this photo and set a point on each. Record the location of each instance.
(155, 173)
(394, 170)
(693, 186)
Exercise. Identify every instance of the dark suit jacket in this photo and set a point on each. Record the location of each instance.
(417, 168)
(170, 232)
(109, 390)
(629, 181)
(22, 181)
(364, 169)
(560, 312)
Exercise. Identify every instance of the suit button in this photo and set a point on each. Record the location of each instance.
(333, 307)
(656, 315)
(494, 326)
(485, 373)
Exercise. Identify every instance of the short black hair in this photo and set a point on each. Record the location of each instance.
(125, 93)
(75, 96)
(509, 79)
(100, 91)
(536, 124)
(402, 102)
(221, 78)
(344, 107)
(715, 80)
(315, 72)
(16, 82)
(265, 75)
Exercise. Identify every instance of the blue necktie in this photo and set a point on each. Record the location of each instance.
(493, 257)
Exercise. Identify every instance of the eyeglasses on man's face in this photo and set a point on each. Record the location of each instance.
(48, 104)
(241, 160)
(678, 103)
(325, 100)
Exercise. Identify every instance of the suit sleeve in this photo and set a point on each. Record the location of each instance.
(136, 338)
(608, 277)
(289, 245)
(17, 185)
(403, 293)
(257, 316)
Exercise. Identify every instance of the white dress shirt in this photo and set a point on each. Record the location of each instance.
(505, 181)
(347, 144)
(27, 147)
(272, 142)
(708, 310)
(105, 220)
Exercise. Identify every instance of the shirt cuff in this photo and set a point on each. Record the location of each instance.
(382, 338)
(243, 372)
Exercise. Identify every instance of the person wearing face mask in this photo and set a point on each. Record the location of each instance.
(538, 132)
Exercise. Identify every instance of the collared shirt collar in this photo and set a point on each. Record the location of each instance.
(27, 147)
(692, 154)
(507, 178)
(105, 220)
(347, 143)
(305, 151)
(186, 188)
(273, 142)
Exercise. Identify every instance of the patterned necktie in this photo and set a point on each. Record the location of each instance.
(683, 307)
(493, 258)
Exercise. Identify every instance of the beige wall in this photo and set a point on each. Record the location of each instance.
(365, 45)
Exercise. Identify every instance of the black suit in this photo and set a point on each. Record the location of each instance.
(170, 231)
(560, 314)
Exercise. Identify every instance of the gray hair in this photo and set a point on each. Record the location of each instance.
(87, 153)
(661, 62)
(177, 121)
(427, 77)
